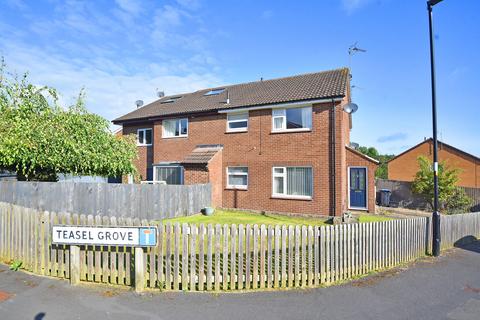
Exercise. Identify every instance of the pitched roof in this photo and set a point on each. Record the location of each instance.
(358, 153)
(440, 146)
(202, 154)
(310, 86)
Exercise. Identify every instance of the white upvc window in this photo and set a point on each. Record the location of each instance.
(170, 174)
(173, 128)
(292, 119)
(237, 177)
(292, 182)
(237, 122)
(144, 137)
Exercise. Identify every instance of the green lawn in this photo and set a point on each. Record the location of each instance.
(241, 217)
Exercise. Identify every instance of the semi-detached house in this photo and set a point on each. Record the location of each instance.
(279, 145)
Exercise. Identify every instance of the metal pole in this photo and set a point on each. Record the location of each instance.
(436, 214)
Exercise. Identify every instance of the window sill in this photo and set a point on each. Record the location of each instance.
(286, 197)
(144, 145)
(291, 130)
(237, 188)
(236, 131)
(179, 137)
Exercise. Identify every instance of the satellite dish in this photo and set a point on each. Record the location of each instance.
(350, 108)
(139, 103)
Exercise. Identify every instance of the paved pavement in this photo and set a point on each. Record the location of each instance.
(447, 288)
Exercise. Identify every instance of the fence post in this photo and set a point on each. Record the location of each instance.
(139, 270)
(74, 265)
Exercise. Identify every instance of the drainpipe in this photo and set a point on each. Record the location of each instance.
(333, 191)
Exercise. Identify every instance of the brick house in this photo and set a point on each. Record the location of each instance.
(404, 166)
(277, 145)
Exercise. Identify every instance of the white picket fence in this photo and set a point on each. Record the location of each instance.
(228, 257)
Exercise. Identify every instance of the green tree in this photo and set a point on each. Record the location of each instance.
(382, 170)
(39, 139)
(452, 199)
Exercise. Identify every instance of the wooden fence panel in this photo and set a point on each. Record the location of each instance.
(209, 257)
(119, 200)
(201, 258)
(218, 248)
(276, 258)
(248, 257)
(225, 277)
(255, 258)
(231, 257)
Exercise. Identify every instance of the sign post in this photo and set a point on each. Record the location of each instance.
(137, 237)
(74, 265)
(139, 270)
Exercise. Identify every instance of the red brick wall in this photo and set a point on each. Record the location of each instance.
(355, 160)
(195, 174)
(260, 150)
(216, 173)
(406, 166)
(145, 154)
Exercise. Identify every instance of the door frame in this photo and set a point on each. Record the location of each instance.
(366, 188)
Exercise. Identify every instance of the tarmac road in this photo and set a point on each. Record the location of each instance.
(443, 288)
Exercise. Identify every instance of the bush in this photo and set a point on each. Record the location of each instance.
(458, 202)
(452, 199)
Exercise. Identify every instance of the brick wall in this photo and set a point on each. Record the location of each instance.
(405, 166)
(260, 150)
(356, 160)
(145, 153)
(195, 174)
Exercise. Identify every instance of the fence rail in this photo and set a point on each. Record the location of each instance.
(120, 200)
(228, 257)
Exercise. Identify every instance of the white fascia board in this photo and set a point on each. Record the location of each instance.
(279, 105)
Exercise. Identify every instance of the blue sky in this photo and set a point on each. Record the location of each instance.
(123, 50)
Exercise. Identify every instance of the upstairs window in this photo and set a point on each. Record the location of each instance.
(144, 137)
(175, 128)
(292, 119)
(237, 122)
(213, 92)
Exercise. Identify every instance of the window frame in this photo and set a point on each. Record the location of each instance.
(236, 187)
(284, 116)
(245, 129)
(144, 130)
(182, 172)
(214, 92)
(179, 120)
(284, 195)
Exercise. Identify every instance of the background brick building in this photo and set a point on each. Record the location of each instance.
(404, 166)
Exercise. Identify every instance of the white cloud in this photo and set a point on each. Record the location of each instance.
(133, 7)
(79, 47)
(111, 91)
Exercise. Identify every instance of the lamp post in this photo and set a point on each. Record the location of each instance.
(436, 214)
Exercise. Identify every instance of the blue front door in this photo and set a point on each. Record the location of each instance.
(358, 187)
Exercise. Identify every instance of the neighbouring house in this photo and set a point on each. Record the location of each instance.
(405, 166)
(279, 145)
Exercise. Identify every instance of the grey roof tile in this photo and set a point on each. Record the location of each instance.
(303, 87)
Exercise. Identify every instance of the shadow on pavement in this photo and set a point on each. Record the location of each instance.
(469, 243)
(39, 316)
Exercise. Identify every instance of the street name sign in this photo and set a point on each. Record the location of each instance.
(106, 236)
